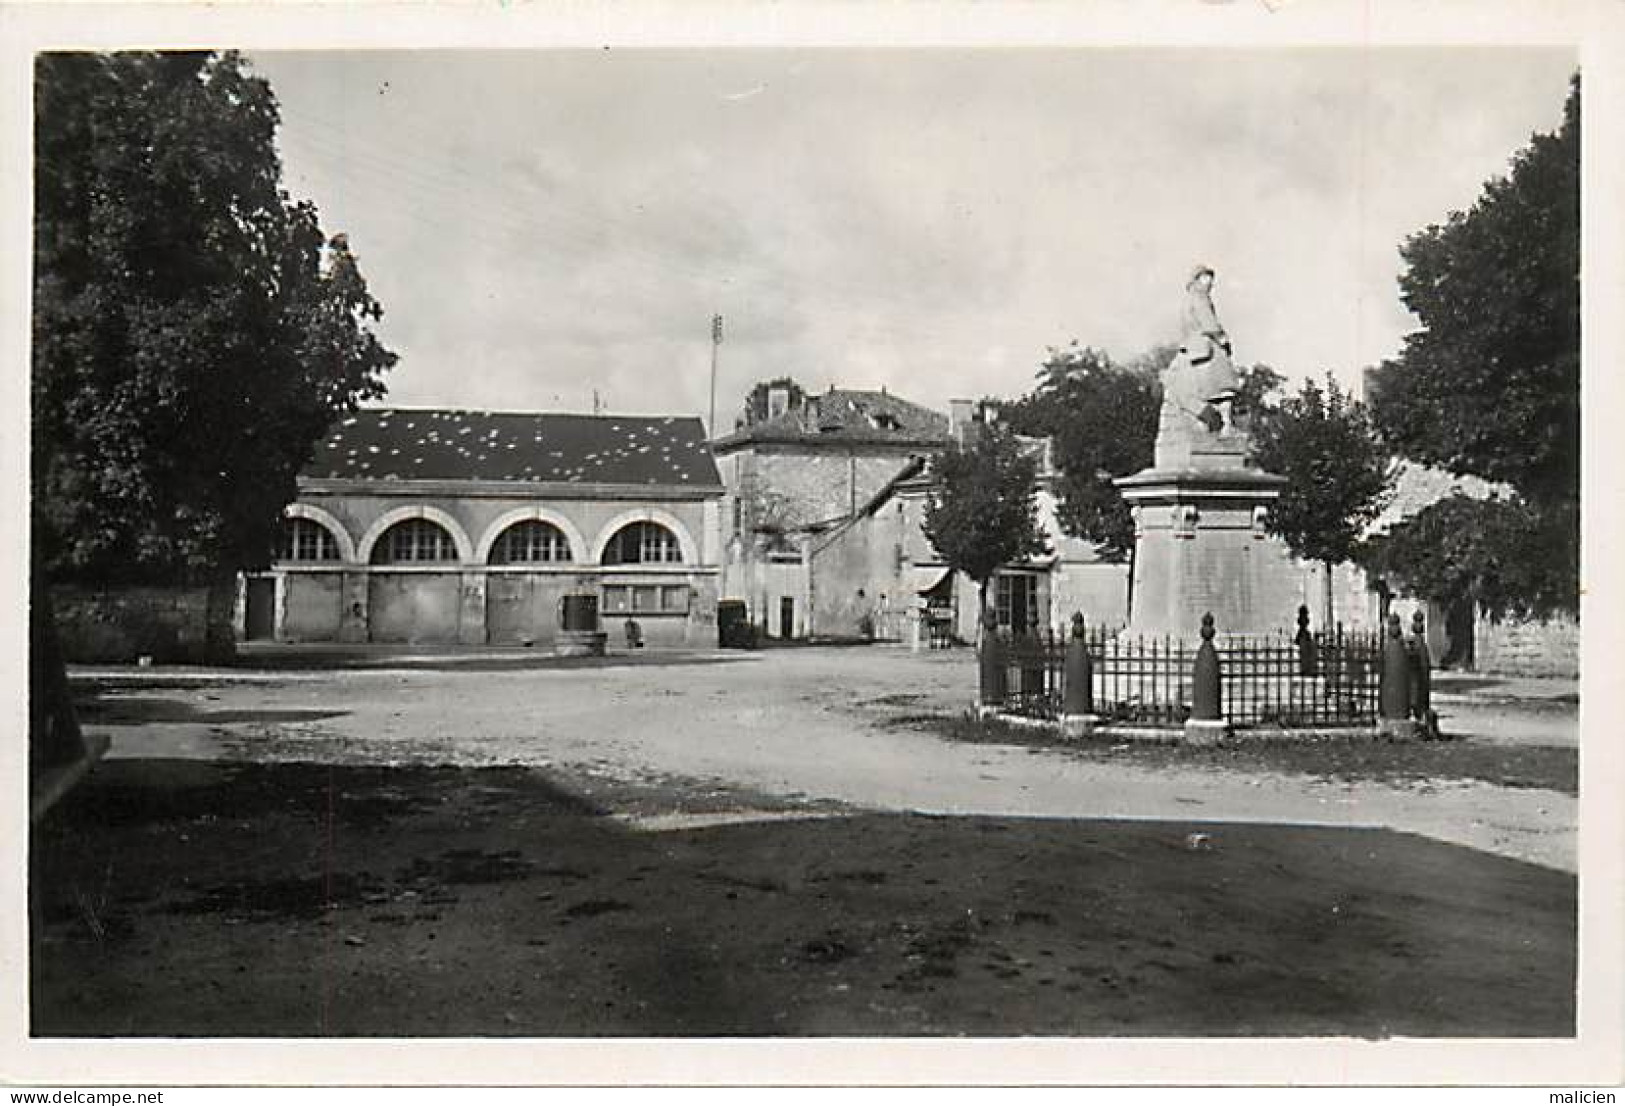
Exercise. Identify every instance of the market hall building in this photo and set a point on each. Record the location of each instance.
(469, 527)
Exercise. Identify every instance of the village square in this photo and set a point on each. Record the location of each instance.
(1166, 693)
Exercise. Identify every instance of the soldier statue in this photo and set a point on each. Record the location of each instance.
(1206, 348)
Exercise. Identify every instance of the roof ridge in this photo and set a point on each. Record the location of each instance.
(522, 413)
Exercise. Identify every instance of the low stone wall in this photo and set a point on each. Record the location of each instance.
(1519, 647)
(119, 625)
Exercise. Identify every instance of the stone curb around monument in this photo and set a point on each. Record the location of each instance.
(1207, 734)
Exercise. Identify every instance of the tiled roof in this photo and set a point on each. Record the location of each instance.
(846, 416)
(433, 444)
(1418, 486)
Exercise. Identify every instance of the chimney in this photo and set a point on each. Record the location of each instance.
(778, 401)
(961, 412)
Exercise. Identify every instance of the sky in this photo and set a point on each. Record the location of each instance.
(541, 225)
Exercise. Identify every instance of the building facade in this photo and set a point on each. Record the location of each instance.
(442, 527)
(804, 468)
(878, 570)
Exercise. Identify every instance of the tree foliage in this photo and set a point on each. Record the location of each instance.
(1490, 383)
(1490, 386)
(194, 334)
(1337, 468)
(1502, 554)
(1102, 419)
(982, 511)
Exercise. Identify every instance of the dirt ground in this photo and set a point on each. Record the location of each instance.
(757, 845)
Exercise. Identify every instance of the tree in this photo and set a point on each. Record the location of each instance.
(1338, 474)
(1495, 553)
(194, 333)
(1102, 420)
(982, 511)
(1490, 383)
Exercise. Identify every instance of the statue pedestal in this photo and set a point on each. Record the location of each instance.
(1200, 543)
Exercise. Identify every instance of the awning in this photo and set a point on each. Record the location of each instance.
(943, 589)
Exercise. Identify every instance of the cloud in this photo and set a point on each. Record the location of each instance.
(540, 223)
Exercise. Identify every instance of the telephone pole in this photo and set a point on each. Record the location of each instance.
(716, 340)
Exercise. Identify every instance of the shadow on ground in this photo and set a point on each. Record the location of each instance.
(317, 658)
(125, 711)
(195, 899)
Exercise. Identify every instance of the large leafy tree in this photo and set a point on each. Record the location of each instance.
(982, 511)
(1339, 474)
(1495, 553)
(194, 333)
(1490, 383)
(1102, 420)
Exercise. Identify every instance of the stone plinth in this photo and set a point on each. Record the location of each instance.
(1200, 545)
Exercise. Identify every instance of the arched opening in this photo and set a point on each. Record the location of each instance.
(306, 541)
(533, 541)
(412, 541)
(643, 543)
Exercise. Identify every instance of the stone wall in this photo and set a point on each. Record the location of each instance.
(119, 625)
(471, 602)
(858, 580)
(1528, 647)
(587, 522)
(809, 485)
(1097, 590)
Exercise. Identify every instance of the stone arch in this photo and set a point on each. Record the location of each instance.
(685, 540)
(329, 522)
(572, 533)
(459, 536)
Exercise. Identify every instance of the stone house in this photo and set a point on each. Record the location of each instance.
(877, 568)
(798, 472)
(429, 526)
(823, 527)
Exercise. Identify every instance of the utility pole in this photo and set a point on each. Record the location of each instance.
(716, 340)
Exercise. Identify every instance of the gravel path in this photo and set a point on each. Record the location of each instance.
(807, 724)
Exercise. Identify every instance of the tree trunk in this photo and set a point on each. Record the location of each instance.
(58, 752)
(1327, 623)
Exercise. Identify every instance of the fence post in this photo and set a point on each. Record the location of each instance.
(1394, 692)
(991, 693)
(1078, 705)
(1029, 651)
(1422, 678)
(1206, 723)
(1308, 658)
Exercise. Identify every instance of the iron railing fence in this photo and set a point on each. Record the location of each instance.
(1264, 681)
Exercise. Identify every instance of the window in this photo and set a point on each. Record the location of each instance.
(525, 542)
(1016, 601)
(416, 539)
(305, 539)
(634, 599)
(643, 543)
